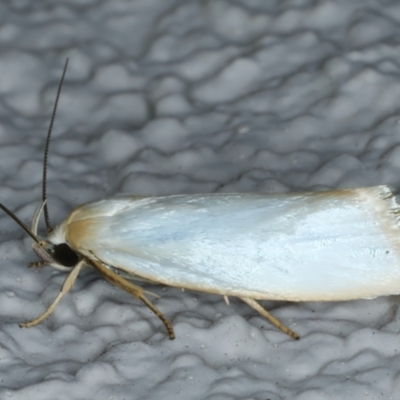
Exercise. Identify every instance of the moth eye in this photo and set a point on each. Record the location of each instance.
(64, 255)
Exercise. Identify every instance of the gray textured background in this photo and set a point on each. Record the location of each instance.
(166, 97)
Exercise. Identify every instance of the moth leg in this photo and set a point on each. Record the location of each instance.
(38, 264)
(135, 291)
(160, 315)
(255, 306)
(66, 287)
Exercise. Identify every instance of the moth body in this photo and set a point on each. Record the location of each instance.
(323, 246)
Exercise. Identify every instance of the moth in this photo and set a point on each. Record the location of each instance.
(324, 246)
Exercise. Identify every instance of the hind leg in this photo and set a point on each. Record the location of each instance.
(255, 306)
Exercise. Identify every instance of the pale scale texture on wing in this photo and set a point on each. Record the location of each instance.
(333, 245)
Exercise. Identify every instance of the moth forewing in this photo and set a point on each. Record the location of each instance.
(326, 246)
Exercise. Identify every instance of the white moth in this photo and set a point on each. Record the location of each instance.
(324, 246)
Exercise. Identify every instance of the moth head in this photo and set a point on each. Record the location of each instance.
(59, 256)
(54, 251)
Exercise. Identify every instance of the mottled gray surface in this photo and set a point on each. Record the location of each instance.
(166, 97)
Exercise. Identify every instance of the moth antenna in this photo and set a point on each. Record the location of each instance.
(19, 222)
(46, 152)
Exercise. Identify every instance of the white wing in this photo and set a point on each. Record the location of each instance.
(335, 245)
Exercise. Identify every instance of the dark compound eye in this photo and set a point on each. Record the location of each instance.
(64, 255)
